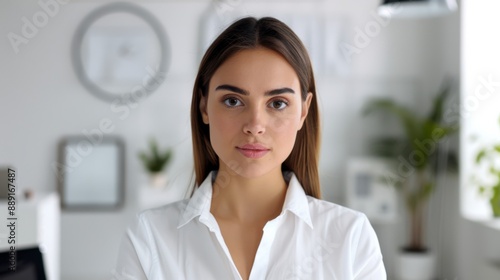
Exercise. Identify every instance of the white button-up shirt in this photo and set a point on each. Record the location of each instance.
(310, 239)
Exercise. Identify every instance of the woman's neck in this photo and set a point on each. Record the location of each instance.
(245, 200)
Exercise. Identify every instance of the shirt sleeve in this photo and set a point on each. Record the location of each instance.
(134, 255)
(368, 263)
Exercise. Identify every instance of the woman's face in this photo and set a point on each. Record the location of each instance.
(254, 110)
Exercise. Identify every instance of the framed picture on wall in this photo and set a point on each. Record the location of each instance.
(91, 173)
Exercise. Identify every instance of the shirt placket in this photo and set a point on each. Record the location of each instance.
(211, 223)
(261, 261)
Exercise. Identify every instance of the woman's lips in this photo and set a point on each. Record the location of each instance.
(253, 150)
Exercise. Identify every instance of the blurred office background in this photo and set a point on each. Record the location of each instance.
(357, 55)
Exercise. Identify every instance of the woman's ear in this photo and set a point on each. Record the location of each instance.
(203, 109)
(305, 109)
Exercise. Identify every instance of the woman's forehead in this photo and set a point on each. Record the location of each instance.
(258, 67)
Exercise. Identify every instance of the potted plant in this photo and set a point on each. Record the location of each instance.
(417, 152)
(486, 158)
(155, 161)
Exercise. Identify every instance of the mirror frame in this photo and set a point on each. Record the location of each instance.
(98, 13)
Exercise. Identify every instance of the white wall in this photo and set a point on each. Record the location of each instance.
(41, 100)
(479, 115)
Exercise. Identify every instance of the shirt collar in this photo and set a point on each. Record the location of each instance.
(295, 200)
(199, 204)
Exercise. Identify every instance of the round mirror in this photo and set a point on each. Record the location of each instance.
(120, 50)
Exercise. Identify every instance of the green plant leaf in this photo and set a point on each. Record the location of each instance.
(425, 192)
(436, 114)
(492, 170)
(495, 201)
(449, 130)
(482, 190)
(480, 155)
(406, 117)
(497, 148)
(154, 160)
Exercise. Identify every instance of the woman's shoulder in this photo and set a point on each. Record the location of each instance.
(321, 205)
(166, 213)
(328, 213)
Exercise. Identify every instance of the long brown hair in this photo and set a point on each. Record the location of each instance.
(249, 33)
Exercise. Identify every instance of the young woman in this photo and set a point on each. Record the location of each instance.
(256, 212)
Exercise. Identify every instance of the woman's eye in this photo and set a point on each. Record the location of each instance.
(232, 102)
(279, 104)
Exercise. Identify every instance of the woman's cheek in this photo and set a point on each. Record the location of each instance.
(224, 124)
(283, 124)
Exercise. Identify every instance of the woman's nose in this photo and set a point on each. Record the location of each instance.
(255, 122)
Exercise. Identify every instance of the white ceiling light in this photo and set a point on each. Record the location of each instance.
(416, 8)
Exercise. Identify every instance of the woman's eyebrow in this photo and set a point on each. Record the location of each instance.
(245, 92)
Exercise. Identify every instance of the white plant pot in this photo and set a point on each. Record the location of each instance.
(416, 266)
(157, 180)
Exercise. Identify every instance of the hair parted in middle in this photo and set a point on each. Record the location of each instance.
(250, 33)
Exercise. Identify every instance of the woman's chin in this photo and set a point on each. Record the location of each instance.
(254, 171)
